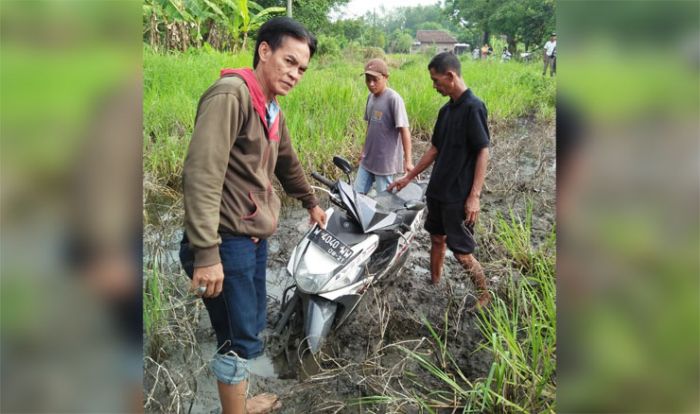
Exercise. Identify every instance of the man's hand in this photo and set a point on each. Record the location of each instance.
(398, 184)
(212, 277)
(407, 166)
(471, 209)
(318, 216)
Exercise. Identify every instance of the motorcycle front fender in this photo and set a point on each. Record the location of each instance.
(318, 320)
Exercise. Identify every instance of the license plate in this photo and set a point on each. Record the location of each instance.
(331, 245)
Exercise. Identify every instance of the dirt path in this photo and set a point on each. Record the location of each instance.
(359, 358)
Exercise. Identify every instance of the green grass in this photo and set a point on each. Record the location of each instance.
(520, 325)
(520, 331)
(325, 111)
(154, 316)
(519, 328)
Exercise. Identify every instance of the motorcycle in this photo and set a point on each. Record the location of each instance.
(365, 239)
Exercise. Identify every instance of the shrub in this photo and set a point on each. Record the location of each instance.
(328, 45)
(374, 52)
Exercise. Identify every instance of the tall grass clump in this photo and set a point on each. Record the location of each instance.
(154, 315)
(520, 325)
(514, 235)
(170, 315)
(520, 330)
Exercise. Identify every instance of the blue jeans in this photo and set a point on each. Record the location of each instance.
(239, 313)
(365, 179)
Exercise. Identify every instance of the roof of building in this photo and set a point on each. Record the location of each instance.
(434, 36)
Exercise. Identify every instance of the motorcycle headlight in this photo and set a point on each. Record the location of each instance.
(325, 282)
(310, 282)
(320, 283)
(316, 272)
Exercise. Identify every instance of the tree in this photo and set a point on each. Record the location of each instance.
(311, 13)
(350, 29)
(525, 21)
(222, 23)
(400, 42)
(416, 16)
(430, 26)
(375, 37)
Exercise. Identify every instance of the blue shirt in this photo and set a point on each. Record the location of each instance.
(271, 112)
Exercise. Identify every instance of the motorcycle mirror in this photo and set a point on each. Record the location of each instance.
(414, 205)
(343, 164)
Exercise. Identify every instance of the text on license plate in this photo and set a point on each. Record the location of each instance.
(331, 245)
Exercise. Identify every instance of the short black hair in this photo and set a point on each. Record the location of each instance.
(442, 62)
(274, 31)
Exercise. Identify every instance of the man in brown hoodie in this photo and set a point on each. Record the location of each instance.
(240, 141)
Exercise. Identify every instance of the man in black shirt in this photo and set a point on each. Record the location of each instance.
(460, 152)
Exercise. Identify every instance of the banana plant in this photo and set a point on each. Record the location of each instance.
(204, 12)
(182, 20)
(152, 16)
(256, 20)
(244, 22)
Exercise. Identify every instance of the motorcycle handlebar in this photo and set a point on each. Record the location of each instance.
(325, 181)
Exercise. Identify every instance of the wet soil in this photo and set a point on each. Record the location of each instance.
(367, 355)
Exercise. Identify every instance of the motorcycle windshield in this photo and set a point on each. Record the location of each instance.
(365, 210)
(347, 196)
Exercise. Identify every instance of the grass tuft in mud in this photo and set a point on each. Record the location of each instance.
(519, 330)
(171, 317)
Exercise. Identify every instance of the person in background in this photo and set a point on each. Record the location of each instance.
(550, 55)
(240, 142)
(460, 153)
(485, 51)
(506, 55)
(387, 149)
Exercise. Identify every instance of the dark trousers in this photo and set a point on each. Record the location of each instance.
(551, 62)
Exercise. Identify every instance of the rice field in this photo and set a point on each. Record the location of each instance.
(325, 111)
(325, 117)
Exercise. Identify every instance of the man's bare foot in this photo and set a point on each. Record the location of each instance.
(481, 302)
(263, 403)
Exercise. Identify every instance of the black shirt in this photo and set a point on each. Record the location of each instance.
(461, 131)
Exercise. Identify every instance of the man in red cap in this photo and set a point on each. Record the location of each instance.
(387, 125)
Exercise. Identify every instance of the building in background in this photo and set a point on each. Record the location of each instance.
(441, 40)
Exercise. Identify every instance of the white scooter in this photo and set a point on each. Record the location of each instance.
(365, 239)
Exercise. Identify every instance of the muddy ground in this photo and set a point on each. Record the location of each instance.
(363, 357)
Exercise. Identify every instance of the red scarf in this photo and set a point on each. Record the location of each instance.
(258, 98)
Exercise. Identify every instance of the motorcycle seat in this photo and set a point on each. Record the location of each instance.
(407, 217)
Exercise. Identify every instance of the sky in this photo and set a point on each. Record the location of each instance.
(357, 8)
